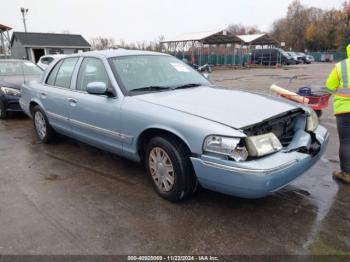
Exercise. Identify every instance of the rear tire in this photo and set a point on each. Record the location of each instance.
(2, 111)
(167, 162)
(42, 127)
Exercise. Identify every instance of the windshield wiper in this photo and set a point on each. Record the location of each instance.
(150, 88)
(187, 86)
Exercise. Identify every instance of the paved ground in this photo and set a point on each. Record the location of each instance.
(70, 198)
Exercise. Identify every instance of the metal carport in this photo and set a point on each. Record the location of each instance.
(204, 43)
(257, 40)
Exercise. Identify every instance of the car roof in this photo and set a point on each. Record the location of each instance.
(118, 52)
(56, 55)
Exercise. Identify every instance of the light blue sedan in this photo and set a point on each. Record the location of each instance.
(152, 108)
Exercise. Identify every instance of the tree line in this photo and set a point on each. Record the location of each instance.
(101, 43)
(313, 29)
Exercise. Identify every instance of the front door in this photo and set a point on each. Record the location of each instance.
(95, 119)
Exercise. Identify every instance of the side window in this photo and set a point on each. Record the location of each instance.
(49, 60)
(44, 60)
(52, 76)
(91, 70)
(64, 74)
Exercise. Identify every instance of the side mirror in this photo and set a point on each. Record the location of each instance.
(96, 88)
(206, 75)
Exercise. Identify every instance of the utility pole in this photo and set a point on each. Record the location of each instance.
(24, 11)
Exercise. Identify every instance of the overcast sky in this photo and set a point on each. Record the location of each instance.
(137, 20)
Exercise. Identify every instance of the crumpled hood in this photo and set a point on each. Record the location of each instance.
(236, 109)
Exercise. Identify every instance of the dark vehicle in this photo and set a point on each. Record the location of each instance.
(303, 57)
(204, 68)
(271, 56)
(13, 73)
(296, 57)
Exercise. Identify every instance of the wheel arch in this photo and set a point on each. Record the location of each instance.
(32, 104)
(151, 132)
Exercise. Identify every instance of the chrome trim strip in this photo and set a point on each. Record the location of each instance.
(121, 137)
(249, 170)
(59, 117)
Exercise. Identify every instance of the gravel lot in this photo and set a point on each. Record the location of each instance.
(70, 198)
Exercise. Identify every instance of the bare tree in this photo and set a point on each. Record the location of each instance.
(122, 43)
(100, 43)
(157, 43)
(237, 29)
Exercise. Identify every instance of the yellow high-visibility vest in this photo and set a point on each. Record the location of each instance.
(339, 84)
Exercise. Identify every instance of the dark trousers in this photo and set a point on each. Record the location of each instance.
(343, 124)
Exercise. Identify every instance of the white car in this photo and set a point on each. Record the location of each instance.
(45, 60)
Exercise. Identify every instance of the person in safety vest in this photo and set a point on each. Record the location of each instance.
(339, 84)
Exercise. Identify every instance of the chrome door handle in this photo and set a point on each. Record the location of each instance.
(72, 100)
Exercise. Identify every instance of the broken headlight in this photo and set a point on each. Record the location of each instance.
(263, 144)
(312, 121)
(227, 146)
(10, 91)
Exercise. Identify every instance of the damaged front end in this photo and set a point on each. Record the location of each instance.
(300, 144)
(293, 129)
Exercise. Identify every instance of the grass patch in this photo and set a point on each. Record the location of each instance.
(320, 247)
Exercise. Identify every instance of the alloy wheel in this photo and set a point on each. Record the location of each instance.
(162, 169)
(40, 124)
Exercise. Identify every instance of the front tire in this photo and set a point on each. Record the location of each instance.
(43, 130)
(168, 164)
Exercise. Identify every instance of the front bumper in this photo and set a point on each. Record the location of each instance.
(257, 178)
(11, 103)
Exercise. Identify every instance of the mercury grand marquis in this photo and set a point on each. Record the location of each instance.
(153, 108)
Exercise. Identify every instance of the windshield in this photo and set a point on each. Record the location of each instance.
(145, 71)
(14, 68)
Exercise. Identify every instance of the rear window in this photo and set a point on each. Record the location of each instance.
(52, 76)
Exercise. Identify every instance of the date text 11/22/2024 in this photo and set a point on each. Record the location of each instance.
(173, 258)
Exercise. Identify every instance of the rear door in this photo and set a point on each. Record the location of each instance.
(95, 119)
(55, 95)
